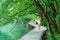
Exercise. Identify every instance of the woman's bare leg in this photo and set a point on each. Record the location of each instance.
(39, 26)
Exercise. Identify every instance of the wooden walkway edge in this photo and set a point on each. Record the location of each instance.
(35, 34)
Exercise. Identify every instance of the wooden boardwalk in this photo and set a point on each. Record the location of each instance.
(35, 34)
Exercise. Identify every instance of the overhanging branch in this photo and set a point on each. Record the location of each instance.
(14, 14)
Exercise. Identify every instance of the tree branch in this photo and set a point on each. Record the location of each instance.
(13, 15)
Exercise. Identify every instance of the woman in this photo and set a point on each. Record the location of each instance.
(39, 21)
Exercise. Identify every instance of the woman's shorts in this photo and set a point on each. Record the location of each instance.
(39, 22)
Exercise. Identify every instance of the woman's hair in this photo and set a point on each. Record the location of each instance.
(38, 15)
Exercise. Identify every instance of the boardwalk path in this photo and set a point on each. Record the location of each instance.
(35, 34)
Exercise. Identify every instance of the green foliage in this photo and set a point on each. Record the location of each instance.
(43, 22)
(58, 18)
(57, 36)
(12, 7)
(10, 10)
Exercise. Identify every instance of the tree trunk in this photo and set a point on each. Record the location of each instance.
(48, 18)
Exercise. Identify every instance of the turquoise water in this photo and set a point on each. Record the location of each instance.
(12, 32)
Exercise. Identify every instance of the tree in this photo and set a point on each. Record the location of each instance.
(49, 6)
